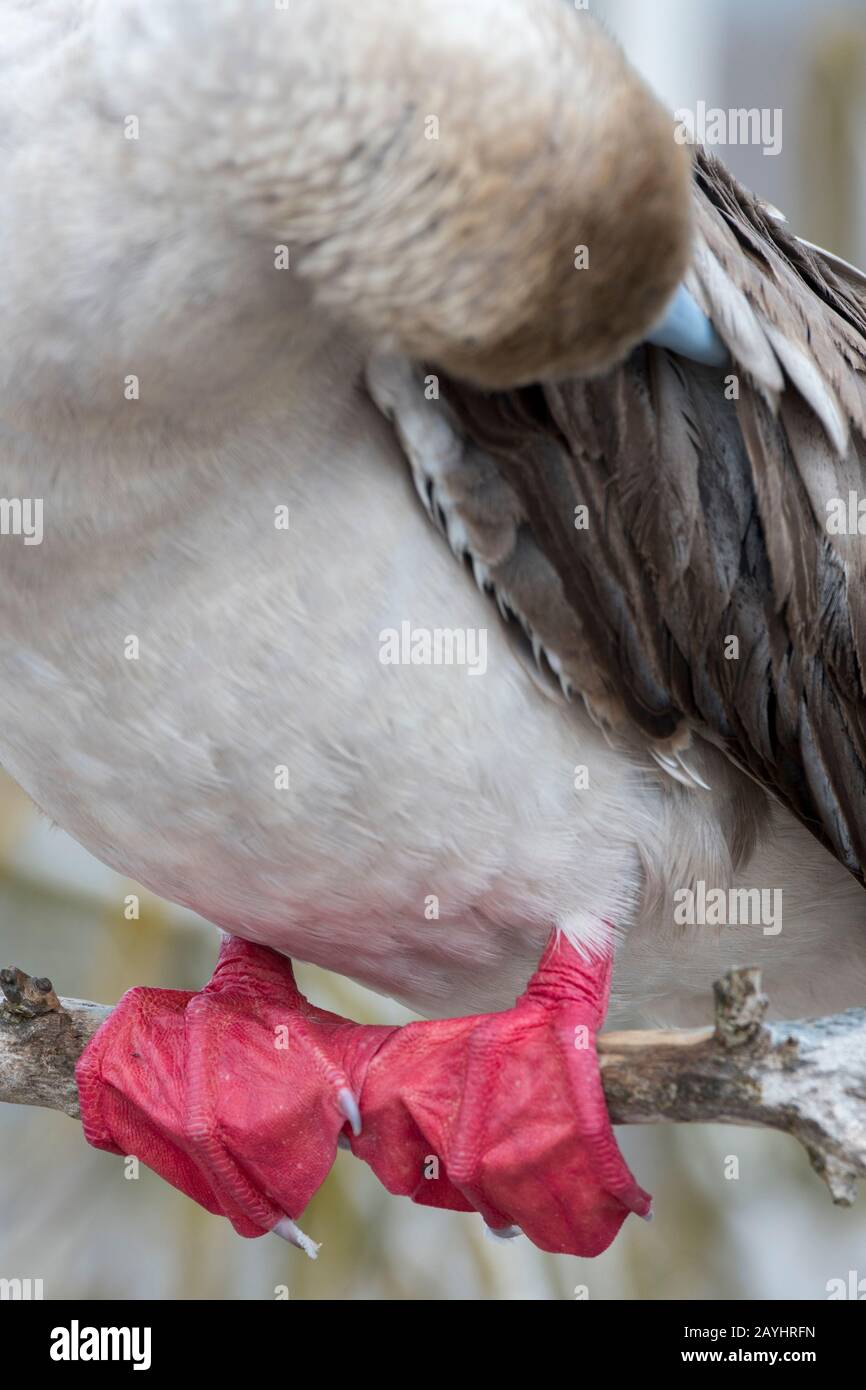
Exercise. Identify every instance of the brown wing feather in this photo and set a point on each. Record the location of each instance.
(706, 521)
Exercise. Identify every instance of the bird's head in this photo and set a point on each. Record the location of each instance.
(486, 186)
(513, 203)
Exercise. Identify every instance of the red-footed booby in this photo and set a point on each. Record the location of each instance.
(270, 275)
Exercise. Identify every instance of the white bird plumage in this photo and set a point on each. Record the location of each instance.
(259, 648)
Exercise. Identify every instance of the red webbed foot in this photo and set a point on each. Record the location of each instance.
(505, 1113)
(236, 1095)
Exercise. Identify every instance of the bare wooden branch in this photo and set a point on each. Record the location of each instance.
(41, 1039)
(806, 1078)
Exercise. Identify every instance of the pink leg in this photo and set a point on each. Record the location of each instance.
(238, 1096)
(509, 1109)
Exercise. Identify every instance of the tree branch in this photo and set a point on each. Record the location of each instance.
(41, 1039)
(806, 1078)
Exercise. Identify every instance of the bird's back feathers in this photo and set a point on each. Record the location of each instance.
(661, 533)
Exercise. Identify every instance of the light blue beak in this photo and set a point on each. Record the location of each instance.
(686, 330)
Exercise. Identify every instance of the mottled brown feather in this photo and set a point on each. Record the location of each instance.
(707, 519)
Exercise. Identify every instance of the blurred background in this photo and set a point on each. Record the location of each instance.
(807, 60)
(739, 1214)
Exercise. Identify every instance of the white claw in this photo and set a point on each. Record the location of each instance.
(504, 1233)
(348, 1107)
(287, 1230)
